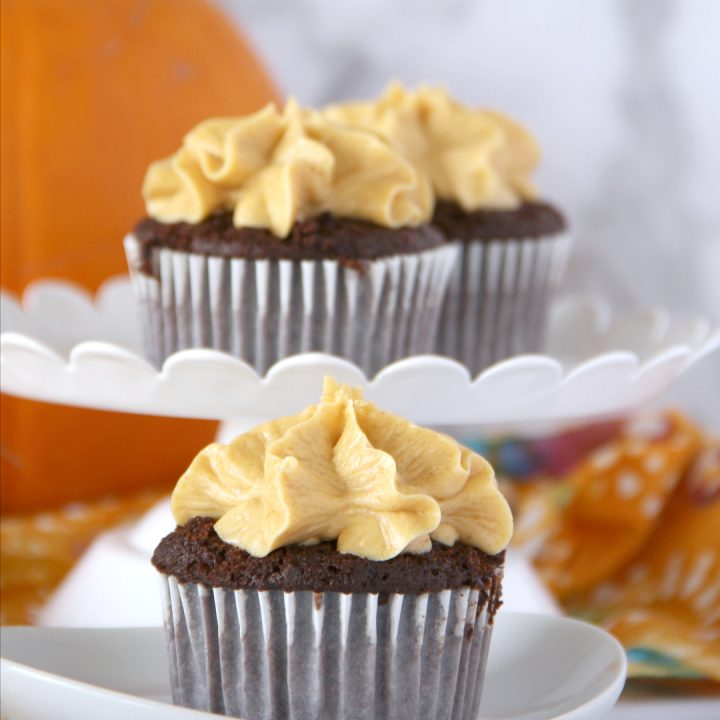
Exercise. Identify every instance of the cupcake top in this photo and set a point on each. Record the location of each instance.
(274, 168)
(344, 471)
(479, 159)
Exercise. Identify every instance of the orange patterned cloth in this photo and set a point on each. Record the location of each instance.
(630, 539)
(36, 551)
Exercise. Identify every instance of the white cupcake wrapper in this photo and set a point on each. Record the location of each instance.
(264, 310)
(272, 655)
(498, 297)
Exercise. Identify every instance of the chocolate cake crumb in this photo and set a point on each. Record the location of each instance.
(530, 220)
(324, 237)
(194, 553)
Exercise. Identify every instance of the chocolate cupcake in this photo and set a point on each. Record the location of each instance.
(513, 247)
(282, 232)
(342, 562)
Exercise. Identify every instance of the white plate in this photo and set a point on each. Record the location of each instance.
(540, 667)
(62, 345)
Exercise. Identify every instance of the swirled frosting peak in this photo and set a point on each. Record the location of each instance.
(477, 158)
(345, 471)
(272, 168)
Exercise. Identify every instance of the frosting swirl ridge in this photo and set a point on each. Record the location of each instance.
(346, 471)
(274, 167)
(478, 158)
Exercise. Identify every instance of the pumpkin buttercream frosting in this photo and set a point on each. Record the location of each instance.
(345, 471)
(275, 167)
(480, 159)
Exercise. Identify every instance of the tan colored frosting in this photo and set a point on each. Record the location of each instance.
(478, 158)
(344, 470)
(273, 168)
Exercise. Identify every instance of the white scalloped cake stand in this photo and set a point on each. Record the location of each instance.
(62, 345)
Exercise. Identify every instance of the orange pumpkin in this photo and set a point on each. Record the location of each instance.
(91, 93)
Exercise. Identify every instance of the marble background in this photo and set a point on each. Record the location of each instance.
(623, 96)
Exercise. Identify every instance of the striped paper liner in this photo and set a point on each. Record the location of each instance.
(275, 655)
(264, 310)
(498, 297)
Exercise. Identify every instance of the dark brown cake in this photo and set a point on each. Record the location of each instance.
(317, 238)
(531, 219)
(195, 554)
